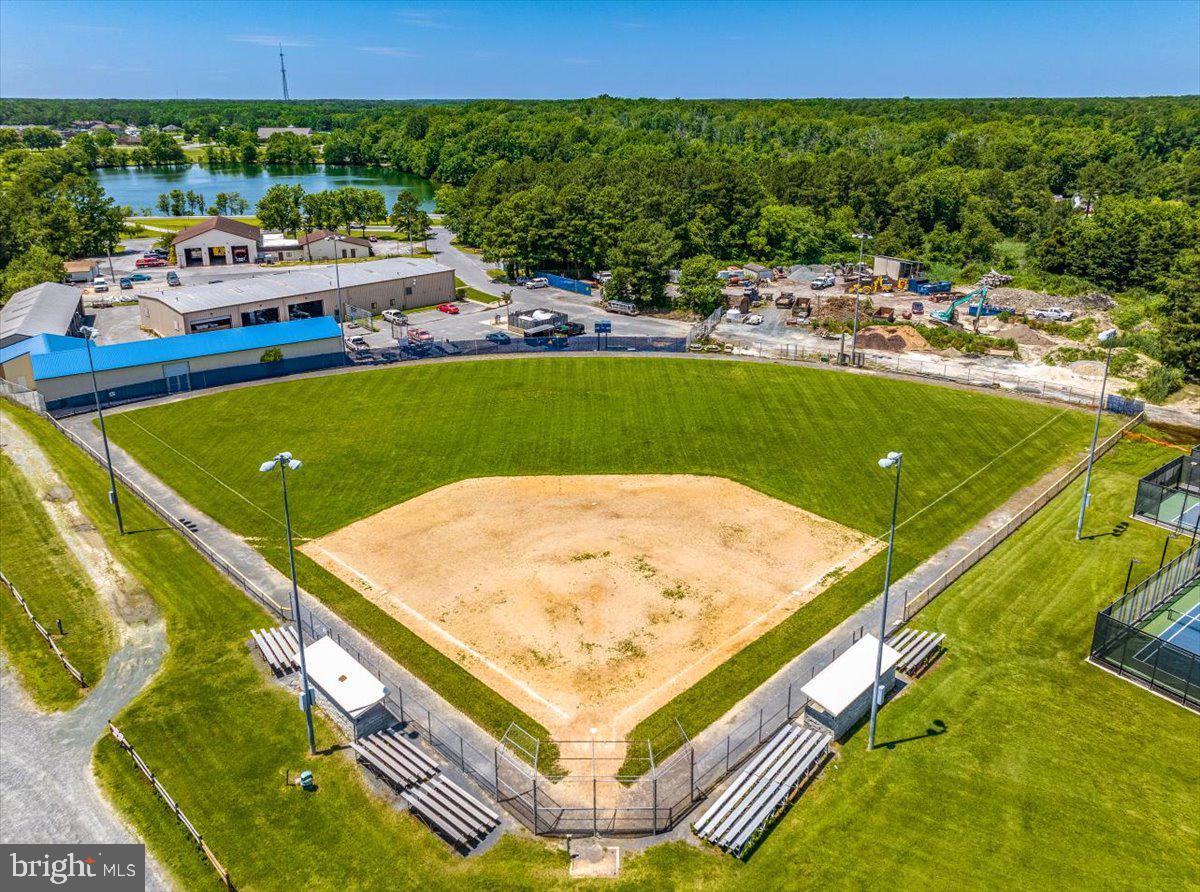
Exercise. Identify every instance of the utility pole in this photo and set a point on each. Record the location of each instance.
(283, 74)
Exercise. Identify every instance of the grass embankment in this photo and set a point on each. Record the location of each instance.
(221, 738)
(806, 436)
(55, 586)
(465, 291)
(1050, 773)
(176, 224)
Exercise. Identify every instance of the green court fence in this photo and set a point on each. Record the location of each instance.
(1168, 496)
(1118, 644)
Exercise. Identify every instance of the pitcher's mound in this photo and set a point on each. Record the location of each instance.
(590, 601)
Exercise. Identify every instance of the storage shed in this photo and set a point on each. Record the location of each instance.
(354, 692)
(840, 694)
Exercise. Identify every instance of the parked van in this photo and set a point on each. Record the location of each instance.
(624, 307)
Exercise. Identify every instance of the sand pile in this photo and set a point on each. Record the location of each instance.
(892, 338)
(1026, 336)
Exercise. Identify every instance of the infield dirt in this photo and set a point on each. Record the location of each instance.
(590, 601)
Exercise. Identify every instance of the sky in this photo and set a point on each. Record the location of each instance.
(555, 50)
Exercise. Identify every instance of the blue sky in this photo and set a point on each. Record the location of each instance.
(559, 50)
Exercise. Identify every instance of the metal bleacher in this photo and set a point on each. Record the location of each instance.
(442, 804)
(446, 807)
(279, 648)
(762, 789)
(918, 650)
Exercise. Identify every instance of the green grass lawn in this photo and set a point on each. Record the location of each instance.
(473, 293)
(48, 576)
(1050, 773)
(177, 224)
(809, 437)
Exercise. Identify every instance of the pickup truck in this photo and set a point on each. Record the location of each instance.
(1053, 314)
(826, 281)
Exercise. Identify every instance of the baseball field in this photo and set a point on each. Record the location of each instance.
(799, 438)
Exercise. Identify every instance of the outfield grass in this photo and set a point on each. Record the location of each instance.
(51, 581)
(1050, 774)
(809, 437)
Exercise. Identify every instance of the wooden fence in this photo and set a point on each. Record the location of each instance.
(984, 548)
(62, 658)
(172, 804)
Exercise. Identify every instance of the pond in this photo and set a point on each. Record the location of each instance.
(139, 187)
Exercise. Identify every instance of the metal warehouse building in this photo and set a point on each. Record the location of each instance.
(57, 367)
(375, 286)
(48, 308)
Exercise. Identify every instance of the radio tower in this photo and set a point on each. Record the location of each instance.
(283, 73)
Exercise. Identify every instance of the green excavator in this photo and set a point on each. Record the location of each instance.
(946, 316)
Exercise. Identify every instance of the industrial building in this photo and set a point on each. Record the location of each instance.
(48, 308)
(395, 283)
(217, 241)
(58, 367)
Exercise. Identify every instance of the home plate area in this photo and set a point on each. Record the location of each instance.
(590, 601)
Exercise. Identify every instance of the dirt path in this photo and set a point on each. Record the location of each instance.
(49, 793)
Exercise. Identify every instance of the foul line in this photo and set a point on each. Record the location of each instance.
(462, 645)
(188, 459)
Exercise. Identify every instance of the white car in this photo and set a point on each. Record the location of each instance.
(395, 317)
(99, 284)
(753, 319)
(538, 283)
(1053, 314)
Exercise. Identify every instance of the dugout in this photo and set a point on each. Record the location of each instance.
(840, 695)
(353, 691)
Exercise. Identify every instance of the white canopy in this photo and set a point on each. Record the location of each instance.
(342, 679)
(851, 674)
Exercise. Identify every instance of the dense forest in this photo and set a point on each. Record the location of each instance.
(1072, 195)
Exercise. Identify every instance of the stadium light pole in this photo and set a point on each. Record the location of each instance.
(854, 333)
(862, 244)
(285, 463)
(337, 277)
(893, 460)
(1129, 575)
(1106, 338)
(89, 334)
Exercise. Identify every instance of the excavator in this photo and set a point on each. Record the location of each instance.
(946, 316)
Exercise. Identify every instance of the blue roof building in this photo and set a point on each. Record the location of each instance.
(58, 368)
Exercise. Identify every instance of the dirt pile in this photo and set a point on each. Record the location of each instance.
(1026, 336)
(840, 308)
(1024, 300)
(892, 338)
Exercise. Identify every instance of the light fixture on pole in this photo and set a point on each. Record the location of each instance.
(285, 463)
(1106, 338)
(337, 276)
(893, 460)
(862, 244)
(89, 334)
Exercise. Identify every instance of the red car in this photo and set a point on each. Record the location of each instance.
(452, 309)
(144, 262)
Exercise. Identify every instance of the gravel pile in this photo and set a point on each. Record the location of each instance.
(1024, 300)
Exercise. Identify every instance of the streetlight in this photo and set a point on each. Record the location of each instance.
(285, 462)
(862, 244)
(1106, 337)
(89, 334)
(338, 279)
(893, 460)
(854, 333)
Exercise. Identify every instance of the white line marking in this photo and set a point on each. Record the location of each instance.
(442, 632)
(128, 416)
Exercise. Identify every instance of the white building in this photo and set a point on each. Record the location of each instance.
(322, 244)
(217, 241)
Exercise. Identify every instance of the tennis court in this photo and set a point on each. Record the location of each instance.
(1180, 510)
(1178, 623)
